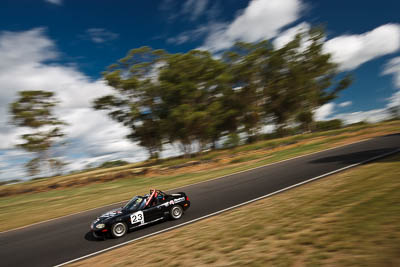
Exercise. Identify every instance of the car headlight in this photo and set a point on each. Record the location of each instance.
(100, 225)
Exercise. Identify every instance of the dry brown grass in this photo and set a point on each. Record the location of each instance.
(348, 219)
(222, 159)
(59, 196)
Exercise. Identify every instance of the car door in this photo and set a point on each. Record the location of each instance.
(152, 213)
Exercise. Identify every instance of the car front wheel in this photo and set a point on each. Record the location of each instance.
(118, 229)
(176, 212)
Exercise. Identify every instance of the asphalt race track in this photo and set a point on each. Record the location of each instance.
(61, 240)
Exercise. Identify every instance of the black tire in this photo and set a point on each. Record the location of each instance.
(96, 236)
(176, 212)
(118, 229)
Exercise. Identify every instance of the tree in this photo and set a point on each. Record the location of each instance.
(192, 89)
(136, 102)
(175, 98)
(328, 125)
(320, 81)
(34, 110)
(192, 98)
(305, 118)
(245, 99)
(288, 83)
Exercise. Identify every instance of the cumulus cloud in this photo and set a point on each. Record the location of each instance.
(55, 2)
(265, 20)
(29, 51)
(351, 51)
(324, 111)
(259, 20)
(394, 100)
(285, 37)
(393, 67)
(372, 116)
(99, 35)
(345, 104)
(327, 112)
(29, 57)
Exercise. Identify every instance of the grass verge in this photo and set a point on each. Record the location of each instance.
(39, 206)
(348, 219)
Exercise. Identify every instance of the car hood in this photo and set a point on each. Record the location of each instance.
(111, 213)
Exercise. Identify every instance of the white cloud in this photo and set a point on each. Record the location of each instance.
(394, 100)
(54, 2)
(99, 35)
(101, 136)
(324, 111)
(288, 35)
(195, 8)
(30, 48)
(86, 162)
(393, 67)
(180, 39)
(350, 51)
(260, 20)
(188, 36)
(9, 134)
(29, 58)
(345, 104)
(374, 115)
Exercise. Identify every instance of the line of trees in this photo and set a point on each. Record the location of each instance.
(193, 97)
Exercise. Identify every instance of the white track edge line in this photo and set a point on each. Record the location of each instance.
(230, 208)
(173, 189)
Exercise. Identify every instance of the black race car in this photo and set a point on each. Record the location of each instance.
(139, 211)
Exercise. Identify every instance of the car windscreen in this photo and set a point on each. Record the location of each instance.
(135, 203)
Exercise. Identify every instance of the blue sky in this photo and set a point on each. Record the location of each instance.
(64, 45)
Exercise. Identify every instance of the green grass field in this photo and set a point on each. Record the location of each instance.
(347, 219)
(54, 202)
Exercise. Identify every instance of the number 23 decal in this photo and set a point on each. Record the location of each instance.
(137, 217)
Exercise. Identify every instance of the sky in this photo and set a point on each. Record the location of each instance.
(64, 45)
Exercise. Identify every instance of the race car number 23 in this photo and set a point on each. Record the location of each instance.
(137, 217)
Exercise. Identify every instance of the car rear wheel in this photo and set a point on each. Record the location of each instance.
(118, 229)
(176, 212)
